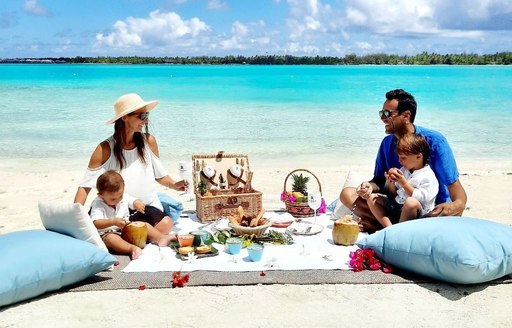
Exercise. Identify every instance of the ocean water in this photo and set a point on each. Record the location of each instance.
(282, 113)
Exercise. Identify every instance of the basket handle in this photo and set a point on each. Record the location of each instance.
(289, 174)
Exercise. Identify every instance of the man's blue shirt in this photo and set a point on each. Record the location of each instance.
(441, 161)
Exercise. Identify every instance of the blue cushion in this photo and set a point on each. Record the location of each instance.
(37, 261)
(171, 206)
(452, 249)
(332, 205)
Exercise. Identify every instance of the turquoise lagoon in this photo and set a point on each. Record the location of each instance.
(283, 113)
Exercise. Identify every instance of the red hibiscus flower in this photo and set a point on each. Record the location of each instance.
(179, 280)
(365, 259)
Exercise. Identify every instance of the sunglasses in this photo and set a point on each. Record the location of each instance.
(142, 116)
(386, 113)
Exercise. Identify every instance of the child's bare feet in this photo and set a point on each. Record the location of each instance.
(166, 239)
(136, 251)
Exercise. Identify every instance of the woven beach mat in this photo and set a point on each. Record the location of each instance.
(116, 279)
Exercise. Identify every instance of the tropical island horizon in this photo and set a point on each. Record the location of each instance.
(424, 58)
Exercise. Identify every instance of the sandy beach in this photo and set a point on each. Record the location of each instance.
(399, 305)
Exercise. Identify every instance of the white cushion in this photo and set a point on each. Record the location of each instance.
(353, 179)
(70, 219)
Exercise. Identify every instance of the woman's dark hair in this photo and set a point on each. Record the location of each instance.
(120, 139)
(413, 144)
(406, 101)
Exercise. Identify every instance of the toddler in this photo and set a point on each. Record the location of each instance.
(110, 213)
(414, 186)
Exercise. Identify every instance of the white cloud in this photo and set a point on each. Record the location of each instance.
(217, 5)
(364, 45)
(245, 36)
(428, 17)
(298, 48)
(337, 47)
(355, 16)
(33, 8)
(64, 46)
(384, 25)
(306, 19)
(369, 47)
(392, 16)
(475, 15)
(160, 29)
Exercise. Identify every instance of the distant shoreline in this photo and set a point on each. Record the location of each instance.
(501, 58)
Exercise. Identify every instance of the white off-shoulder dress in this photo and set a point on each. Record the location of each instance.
(139, 178)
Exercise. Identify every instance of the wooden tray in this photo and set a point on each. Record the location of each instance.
(175, 245)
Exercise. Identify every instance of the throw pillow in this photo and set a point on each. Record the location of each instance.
(171, 206)
(70, 219)
(353, 179)
(453, 249)
(37, 261)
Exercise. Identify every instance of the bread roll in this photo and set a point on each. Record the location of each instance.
(185, 250)
(203, 249)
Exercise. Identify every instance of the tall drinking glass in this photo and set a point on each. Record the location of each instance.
(185, 172)
(314, 201)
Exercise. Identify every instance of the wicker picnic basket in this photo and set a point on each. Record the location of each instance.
(299, 209)
(224, 202)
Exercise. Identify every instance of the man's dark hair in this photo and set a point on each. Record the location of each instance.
(406, 101)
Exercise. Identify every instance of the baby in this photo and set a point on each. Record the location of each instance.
(110, 212)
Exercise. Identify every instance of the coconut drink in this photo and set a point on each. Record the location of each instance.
(135, 233)
(345, 231)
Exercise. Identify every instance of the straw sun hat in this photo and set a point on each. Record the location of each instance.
(129, 103)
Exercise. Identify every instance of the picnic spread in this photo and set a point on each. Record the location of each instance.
(233, 232)
(313, 249)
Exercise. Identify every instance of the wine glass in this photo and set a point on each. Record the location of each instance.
(185, 172)
(314, 201)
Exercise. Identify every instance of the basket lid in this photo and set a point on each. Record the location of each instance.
(222, 164)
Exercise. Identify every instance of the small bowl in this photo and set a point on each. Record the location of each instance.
(186, 240)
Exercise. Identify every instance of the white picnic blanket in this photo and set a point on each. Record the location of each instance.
(308, 252)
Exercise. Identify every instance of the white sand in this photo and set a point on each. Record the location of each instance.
(399, 305)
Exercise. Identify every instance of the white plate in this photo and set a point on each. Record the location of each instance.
(306, 229)
(221, 224)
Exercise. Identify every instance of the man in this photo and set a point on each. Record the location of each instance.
(397, 114)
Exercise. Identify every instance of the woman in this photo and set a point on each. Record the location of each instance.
(132, 153)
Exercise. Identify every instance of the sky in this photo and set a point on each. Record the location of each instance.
(70, 28)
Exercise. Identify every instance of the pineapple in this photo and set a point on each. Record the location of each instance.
(300, 184)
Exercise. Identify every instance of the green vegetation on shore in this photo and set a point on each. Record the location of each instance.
(424, 58)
